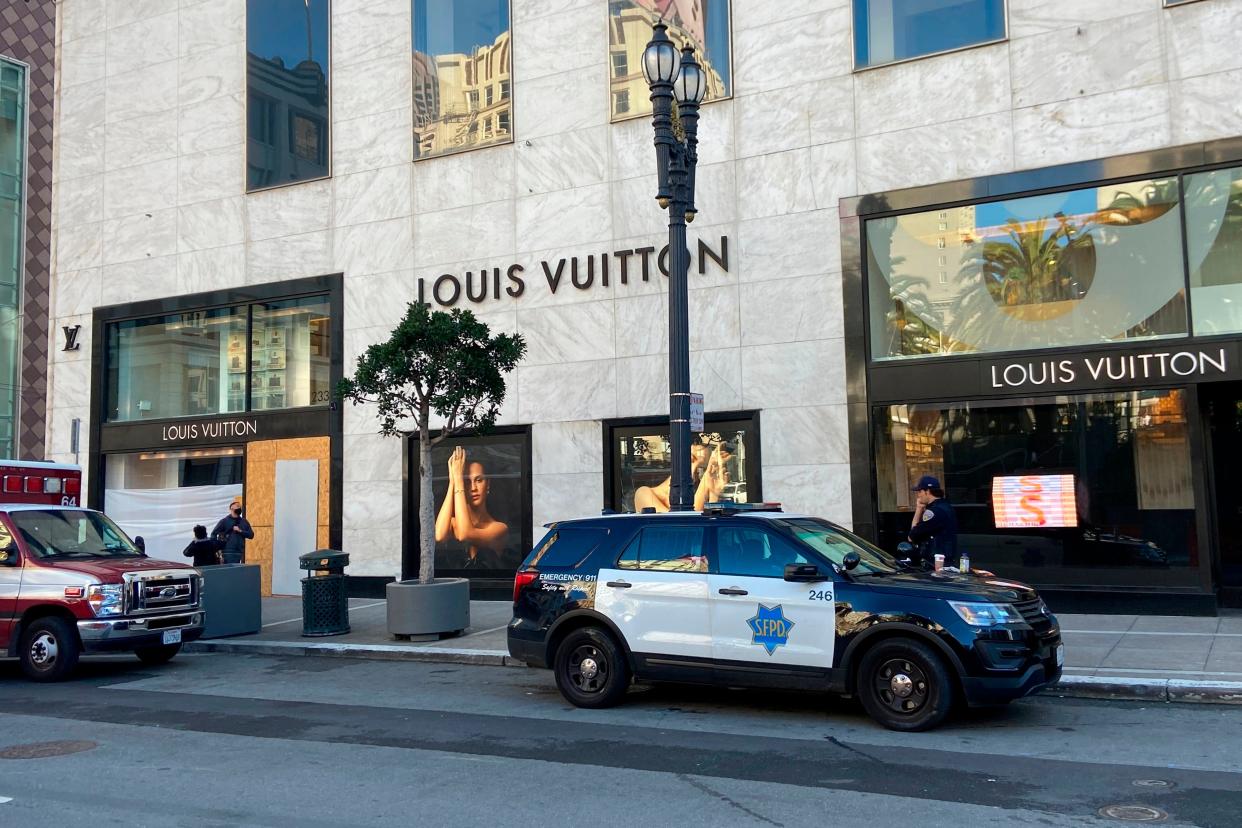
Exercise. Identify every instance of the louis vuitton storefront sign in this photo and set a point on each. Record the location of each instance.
(1086, 371)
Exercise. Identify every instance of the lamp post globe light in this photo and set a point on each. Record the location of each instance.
(670, 74)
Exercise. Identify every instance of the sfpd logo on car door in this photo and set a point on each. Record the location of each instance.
(770, 628)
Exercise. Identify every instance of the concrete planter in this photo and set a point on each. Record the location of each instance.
(436, 609)
(231, 600)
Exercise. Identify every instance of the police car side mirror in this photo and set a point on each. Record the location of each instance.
(804, 573)
(141, 544)
(850, 560)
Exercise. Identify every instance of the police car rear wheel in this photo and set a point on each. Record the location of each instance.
(590, 669)
(905, 686)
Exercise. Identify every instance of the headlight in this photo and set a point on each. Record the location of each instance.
(106, 599)
(986, 615)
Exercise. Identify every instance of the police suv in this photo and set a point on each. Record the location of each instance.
(746, 595)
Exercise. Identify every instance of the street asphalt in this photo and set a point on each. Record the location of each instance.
(229, 739)
(1137, 657)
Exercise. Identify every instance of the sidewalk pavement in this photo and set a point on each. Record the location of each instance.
(1144, 657)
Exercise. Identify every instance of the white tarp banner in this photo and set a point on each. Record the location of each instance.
(166, 517)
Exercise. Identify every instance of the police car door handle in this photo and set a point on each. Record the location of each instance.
(620, 584)
(732, 591)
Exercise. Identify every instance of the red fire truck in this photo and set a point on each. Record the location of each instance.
(54, 484)
(71, 582)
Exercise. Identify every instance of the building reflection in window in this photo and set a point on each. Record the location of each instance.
(701, 23)
(1128, 454)
(290, 360)
(1083, 267)
(287, 92)
(1214, 249)
(177, 365)
(890, 30)
(461, 67)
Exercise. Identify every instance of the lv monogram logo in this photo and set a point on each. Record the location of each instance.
(71, 337)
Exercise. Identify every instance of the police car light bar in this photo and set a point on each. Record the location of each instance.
(721, 507)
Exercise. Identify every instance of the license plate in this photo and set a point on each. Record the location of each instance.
(1060, 655)
(174, 637)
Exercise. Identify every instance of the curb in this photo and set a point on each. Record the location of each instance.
(1147, 689)
(375, 652)
(1078, 687)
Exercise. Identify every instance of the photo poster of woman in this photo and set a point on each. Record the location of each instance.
(477, 484)
(717, 469)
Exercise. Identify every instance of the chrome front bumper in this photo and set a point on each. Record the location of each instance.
(126, 633)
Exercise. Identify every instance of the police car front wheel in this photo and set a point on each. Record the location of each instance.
(904, 685)
(590, 669)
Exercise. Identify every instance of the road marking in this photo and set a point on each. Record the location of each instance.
(299, 618)
(1150, 632)
(484, 632)
(4, 799)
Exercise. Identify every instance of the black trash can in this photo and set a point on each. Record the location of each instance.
(325, 602)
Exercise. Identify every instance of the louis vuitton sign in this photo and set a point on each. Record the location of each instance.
(575, 273)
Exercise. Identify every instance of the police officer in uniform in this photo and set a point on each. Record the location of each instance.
(933, 531)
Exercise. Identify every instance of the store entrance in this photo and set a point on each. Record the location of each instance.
(1222, 412)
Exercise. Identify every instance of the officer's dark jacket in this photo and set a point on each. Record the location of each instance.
(936, 532)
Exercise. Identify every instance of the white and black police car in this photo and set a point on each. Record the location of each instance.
(747, 595)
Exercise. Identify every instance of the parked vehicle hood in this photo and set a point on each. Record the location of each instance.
(953, 586)
(107, 570)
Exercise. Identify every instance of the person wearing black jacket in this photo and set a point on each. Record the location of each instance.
(231, 533)
(933, 531)
(204, 550)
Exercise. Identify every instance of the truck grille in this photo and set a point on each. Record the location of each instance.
(163, 592)
(1036, 614)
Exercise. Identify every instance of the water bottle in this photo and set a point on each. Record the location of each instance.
(965, 564)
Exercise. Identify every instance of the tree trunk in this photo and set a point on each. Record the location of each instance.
(426, 510)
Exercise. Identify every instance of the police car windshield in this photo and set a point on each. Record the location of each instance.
(834, 544)
(71, 534)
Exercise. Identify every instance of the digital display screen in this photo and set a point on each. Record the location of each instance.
(1034, 501)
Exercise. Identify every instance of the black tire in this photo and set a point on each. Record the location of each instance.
(49, 649)
(591, 671)
(905, 685)
(159, 654)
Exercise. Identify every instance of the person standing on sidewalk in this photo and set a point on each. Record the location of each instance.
(232, 532)
(204, 550)
(933, 530)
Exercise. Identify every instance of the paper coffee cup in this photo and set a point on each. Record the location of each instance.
(939, 562)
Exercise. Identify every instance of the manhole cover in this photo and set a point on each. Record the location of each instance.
(1151, 783)
(1133, 813)
(42, 750)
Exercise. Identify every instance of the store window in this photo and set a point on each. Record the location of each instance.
(482, 492)
(290, 361)
(287, 47)
(1074, 491)
(1214, 249)
(1083, 267)
(724, 464)
(461, 57)
(163, 495)
(180, 365)
(12, 227)
(886, 31)
(201, 362)
(703, 24)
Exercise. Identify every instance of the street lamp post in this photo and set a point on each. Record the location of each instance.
(670, 75)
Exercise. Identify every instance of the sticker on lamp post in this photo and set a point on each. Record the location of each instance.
(696, 412)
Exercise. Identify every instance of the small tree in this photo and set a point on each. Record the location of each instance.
(435, 362)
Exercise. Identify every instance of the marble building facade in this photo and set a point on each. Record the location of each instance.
(150, 202)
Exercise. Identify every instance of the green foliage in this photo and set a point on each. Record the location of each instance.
(441, 362)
